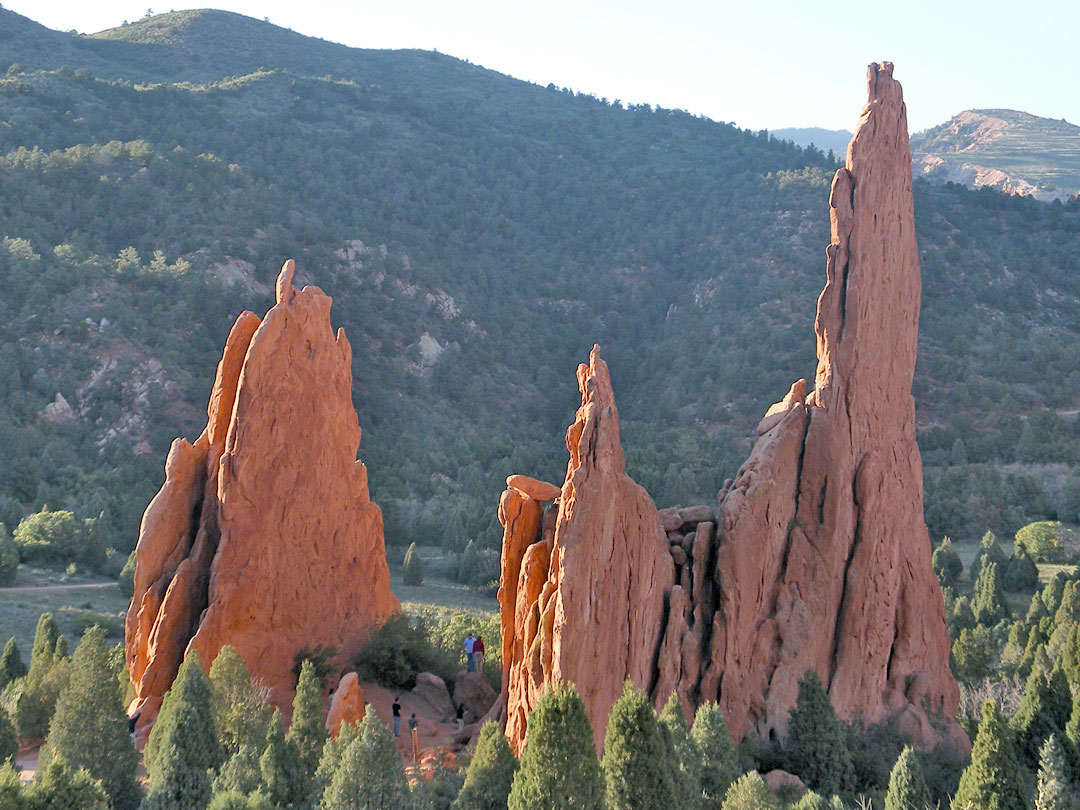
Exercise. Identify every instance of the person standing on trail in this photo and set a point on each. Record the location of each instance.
(395, 709)
(478, 653)
(470, 646)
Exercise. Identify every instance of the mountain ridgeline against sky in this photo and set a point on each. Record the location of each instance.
(478, 233)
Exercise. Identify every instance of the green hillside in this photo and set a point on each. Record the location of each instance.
(478, 235)
(1005, 149)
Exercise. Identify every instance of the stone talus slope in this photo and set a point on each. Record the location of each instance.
(817, 556)
(583, 590)
(263, 535)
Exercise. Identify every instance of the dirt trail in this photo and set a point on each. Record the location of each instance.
(53, 588)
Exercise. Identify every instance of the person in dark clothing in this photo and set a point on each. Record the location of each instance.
(395, 709)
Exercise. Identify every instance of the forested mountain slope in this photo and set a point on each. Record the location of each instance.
(478, 235)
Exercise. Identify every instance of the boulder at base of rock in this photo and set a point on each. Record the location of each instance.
(473, 692)
(263, 535)
(432, 689)
(347, 704)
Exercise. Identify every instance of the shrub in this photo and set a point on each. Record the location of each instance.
(412, 570)
(1021, 573)
(125, 582)
(57, 538)
(58, 787)
(685, 755)
(307, 731)
(1042, 540)
(369, 773)
(399, 651)
(947, 564)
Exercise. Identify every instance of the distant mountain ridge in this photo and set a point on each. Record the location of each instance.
(478, 234)
(824, 139)
(1015, 152)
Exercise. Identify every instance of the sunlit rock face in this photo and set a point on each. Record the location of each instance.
(817, 555)
(263, 535)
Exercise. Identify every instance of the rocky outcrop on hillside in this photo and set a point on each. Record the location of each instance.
(263, 535)
(817, 556)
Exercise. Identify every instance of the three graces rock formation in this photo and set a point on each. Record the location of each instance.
(819, 558)
(815, 557)
(263, 535)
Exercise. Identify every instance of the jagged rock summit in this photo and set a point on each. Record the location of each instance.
(817, 556)
(263, 535)
(582, 592)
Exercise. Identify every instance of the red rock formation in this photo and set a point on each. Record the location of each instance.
(347, 705)
(263, 535)
(824, 561)
(820, 558)
(587, 600)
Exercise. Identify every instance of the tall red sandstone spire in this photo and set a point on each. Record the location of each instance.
(820, 559)
(263, 535)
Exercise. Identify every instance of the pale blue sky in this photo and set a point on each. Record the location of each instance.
(757, 63)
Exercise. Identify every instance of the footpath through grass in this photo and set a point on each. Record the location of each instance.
(75, 602)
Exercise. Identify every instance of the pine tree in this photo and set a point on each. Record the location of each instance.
(719, 764)
(186, 746)
(369, 774)
(232, 800)
(328, 762)
(989, 605)
(685, 764)
(559, 768)
(12, 795)
(45, 638)
(815, 801)
(1058, 697)
(749, 792)
(9, 740)
(1033, 722)
(816, 742)
(282, 767)
(46, 678)
(490, 772)
(90, 729)
(308, 728)
(1053, 791)
(11, 663)
(636, 763)
(240, 773)
(989, 551)
(58, 787)
(993, 779)
(412, 570)
(241, 712)
(907, 787)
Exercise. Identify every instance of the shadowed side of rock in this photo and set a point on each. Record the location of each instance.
(264, 535)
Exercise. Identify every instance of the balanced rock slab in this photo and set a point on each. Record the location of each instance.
(263, 535)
